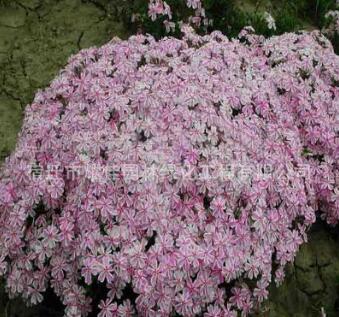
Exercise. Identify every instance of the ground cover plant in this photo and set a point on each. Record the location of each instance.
(179, 176)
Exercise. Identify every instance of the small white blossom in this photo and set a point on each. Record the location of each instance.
(270, 21)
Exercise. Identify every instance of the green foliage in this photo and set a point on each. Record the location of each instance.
(229, 16)
(318, 8)
(335, 43)
(307, 9)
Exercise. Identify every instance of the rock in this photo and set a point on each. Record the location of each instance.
(288, 299)
(10, 121)
(30, 4)
(325, 248)
(7, 35)
(309, 281)
(313, 282)
(12, 17)
(89, 35)
(330, 300)
(305, 257)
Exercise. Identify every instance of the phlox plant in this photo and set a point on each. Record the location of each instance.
(179, 176)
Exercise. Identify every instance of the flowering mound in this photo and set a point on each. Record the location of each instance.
(177, 176)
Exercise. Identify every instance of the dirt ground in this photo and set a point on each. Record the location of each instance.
(36, 39)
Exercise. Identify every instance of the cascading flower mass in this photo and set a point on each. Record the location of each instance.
(186, 171)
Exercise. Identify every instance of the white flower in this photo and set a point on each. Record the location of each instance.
(170, 26)
(270, 21)
(323, 313)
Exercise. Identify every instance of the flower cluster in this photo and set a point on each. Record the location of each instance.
(270, 21)
(158, 8)
(173, 244)
(332, 27)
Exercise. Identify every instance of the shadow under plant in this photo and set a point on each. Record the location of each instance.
(36, 39)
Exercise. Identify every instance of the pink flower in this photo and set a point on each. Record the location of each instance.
(104, 267)
(55, 187)
(184, 303)
(261, 291)
(108, 309)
